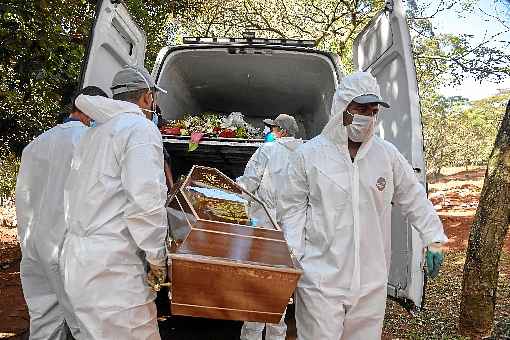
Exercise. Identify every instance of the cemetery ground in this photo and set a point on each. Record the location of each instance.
(455, 196)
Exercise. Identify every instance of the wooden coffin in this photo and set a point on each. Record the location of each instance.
(225, 263)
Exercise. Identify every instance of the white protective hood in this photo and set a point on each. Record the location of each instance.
(352, 86)
(102, 109)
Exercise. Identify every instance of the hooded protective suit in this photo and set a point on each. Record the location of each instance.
(262, 177)
(336, 214)
(45, 165)
(114, 201)
(265, 170)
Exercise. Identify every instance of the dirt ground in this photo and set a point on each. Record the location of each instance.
(13, 311)
(455, 196)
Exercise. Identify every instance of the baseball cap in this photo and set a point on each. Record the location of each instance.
(284, 122)
(132, 78)
(370, 98)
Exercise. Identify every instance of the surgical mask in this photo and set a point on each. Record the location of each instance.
(155, 118)
(92, 124)
(362, 127)
(269, 137)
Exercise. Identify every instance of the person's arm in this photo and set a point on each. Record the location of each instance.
(24, 197)
(293, 204)
(168, 169)
(32, 176)
(410, 195)
(254, 170)
(168, 176)
(144, 182)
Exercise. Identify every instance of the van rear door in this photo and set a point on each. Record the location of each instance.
(115, 41)
(384, 49)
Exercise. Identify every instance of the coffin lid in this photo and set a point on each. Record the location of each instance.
(215, 198)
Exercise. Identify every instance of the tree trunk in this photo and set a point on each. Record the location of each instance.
(486, 239)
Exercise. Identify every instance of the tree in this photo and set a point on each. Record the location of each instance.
(42, 44)
(41, 48)
(448, 58)
(459, 132)
(332, 24)
(492, 219)
(439, 121)
(478, 127)
(8, 169)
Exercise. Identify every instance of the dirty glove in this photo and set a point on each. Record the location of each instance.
(156, 276)
(434, 257)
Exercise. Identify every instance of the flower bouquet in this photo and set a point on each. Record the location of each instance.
(211, 125)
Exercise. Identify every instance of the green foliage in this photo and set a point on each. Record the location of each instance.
(41, 49)
(461, 133)
(333, 24)
(8, 170)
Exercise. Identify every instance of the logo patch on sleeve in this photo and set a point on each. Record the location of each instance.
(381, 183)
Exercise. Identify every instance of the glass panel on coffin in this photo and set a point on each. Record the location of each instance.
(206, 205)
(216, 198)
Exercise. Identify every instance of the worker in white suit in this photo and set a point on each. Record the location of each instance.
(336, 214)
(44, 169)
(115, 213)
(262, 177)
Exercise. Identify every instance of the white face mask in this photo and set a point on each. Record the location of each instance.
(362, 128)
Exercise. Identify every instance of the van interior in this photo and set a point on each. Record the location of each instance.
(259, 82)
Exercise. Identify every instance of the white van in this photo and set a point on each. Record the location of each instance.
(262, 77)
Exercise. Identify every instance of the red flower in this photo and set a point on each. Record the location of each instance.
(228, 133)
(175, 131)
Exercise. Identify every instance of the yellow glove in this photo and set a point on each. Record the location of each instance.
(157, 275)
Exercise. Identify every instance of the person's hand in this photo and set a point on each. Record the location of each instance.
(434, 257)
(156, 276)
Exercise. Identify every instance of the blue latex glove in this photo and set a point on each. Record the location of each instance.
(434, 257)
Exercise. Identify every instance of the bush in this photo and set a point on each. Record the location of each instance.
(9, 166)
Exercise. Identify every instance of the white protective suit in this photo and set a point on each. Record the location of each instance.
(336, 214)
(262, 177)
(114, 201)
(45, 165)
